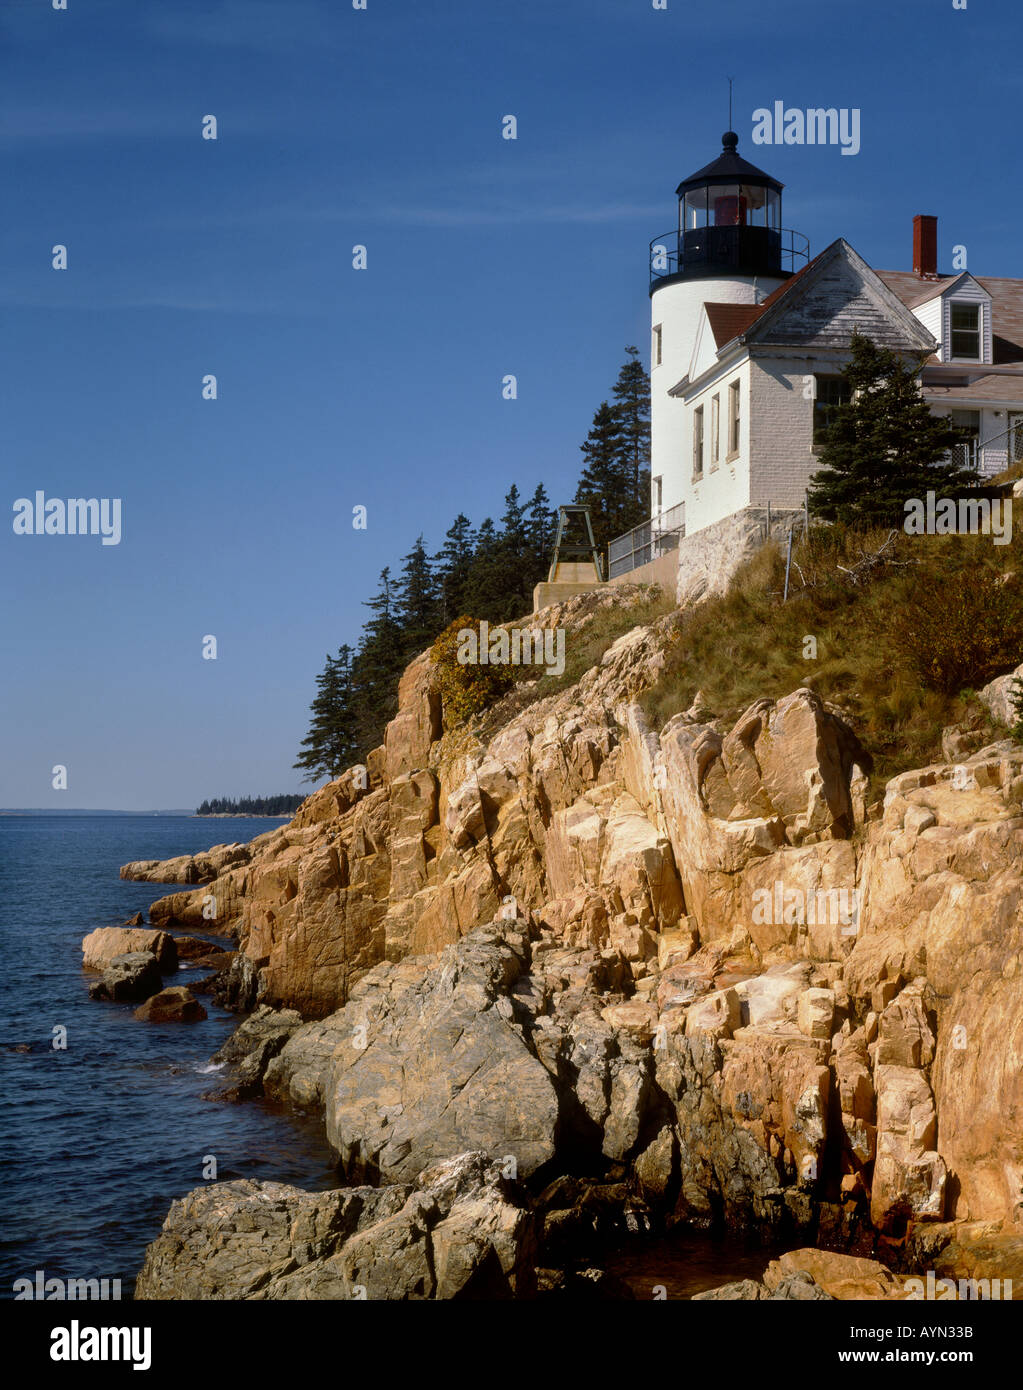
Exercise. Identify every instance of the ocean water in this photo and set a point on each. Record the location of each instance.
(96, 1141)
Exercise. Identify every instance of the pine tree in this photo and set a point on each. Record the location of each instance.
(602, 484)
(632, 408)
(377, 667)
(331, 744)
(514, 536)
(485, 584)
(541, 519)
(453, 562)
(884, 446)
(416, 608)
(511, 558)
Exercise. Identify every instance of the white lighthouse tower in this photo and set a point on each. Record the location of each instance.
(726, 252)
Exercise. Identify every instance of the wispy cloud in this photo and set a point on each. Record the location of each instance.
(515, 214)
(264, 26)
(125, 302)
(48, 123)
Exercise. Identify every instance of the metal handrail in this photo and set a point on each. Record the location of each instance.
(647, 541)
(670, 246)
(1013, 437)
(970, 453)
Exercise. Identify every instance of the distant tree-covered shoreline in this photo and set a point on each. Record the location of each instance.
(284, 805)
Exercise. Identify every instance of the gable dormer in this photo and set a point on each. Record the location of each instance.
(965, 322)
(958, 314)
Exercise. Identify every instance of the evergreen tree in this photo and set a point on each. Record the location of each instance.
(511, 558)
(514, 536)
(417, 611)
(603, 484)
(331, 744)
(377, 666)
(453, 563)
(632, 408)
(485, 585)
(884, 446)
(541, 519)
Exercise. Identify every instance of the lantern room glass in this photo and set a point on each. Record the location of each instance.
(730, 205)
(694, 209)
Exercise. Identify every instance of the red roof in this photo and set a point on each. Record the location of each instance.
(728, 321)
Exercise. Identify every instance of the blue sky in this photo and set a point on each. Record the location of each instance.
(379, 387)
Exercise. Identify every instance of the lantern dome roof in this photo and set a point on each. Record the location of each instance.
(728, 168)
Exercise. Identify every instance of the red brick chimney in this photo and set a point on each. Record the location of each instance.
(925, 246)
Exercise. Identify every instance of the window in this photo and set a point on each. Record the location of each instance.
(656, 496)
(698, 442)
(965, 324)
(655, 350)
(733, 419)
(715, 432)
(829, 393)
(695, 210)
(968, 420)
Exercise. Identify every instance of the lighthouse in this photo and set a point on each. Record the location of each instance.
(726, 255)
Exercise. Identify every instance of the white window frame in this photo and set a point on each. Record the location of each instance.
(734, 419)
(953, 356)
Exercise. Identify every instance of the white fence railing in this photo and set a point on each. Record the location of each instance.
(988, 457)
(646, 542)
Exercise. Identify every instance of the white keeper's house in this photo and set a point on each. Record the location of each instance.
(749, 336)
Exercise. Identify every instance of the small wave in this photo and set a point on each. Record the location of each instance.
(211, 1066)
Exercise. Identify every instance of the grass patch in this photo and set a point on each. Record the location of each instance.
(587, 640)
(900, 646)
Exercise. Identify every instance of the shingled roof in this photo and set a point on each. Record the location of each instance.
(1006, 307)
(728, 321)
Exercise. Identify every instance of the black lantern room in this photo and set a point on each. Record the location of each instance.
(729, 222)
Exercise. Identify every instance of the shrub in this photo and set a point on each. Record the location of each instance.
(905, 628)
(466, 687)
(957, 627)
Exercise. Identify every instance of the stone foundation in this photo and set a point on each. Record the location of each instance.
(707, 559)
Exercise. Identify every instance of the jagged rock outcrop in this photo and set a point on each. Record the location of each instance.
(174, 1005)
(497, 1041)
(997, 696)
(799, 1286)
(700, 957)
(458, 1231)
(101, 946)
(192, 868)
(134, 975)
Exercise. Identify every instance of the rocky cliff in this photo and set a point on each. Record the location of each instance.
(696, 972)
